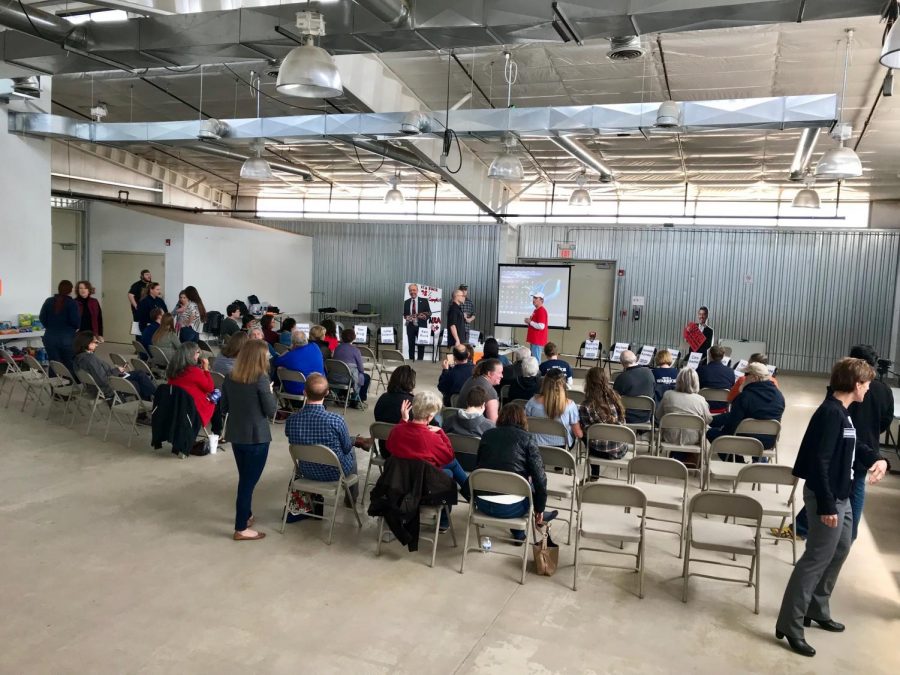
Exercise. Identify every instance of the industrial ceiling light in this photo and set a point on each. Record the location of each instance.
(890, 50)
(394, 196)
(807, 198)
(669, 114)
(580, 196)
(27, 87)
(256, 168)
(840, 162)
(309, 71)
(415, 122)
(506, 166)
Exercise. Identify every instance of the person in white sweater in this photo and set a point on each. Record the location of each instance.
(684, 399)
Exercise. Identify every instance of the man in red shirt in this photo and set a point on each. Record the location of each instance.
(538, 332)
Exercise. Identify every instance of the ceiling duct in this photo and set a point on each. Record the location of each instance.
(295, 169)
(585, 156)
(41, 24)
(625, 48)
(392, 12)
(803, 154)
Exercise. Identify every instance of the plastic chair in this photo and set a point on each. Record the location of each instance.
(562, 480)
(338, 489)
(504, 394)
(682, 422)
(391, 359)
(447, 413)
(761, 428)
(39, 384)
(645, 404)
(283, 395)
(706, 534)
(465, 449)
(126, 401)
(340, 381)
(615, 433)
(774, 504)
(662, 495)
(378, 431)
(501, 483)
(717, 469)
(598, 521)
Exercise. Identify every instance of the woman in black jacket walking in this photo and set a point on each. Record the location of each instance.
(509, 447)
(248, 399)
(825, 461)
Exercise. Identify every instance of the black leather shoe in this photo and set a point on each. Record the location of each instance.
(829, 625)
(799, 645)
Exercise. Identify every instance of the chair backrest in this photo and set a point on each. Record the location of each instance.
(119, 360)
(87, 379)
(158, 356)
(521, 401)
(760, 427)
(557, 457)
(579, 373)
(715, 395)
(547, 427)
(499, 482)
(286, 375)
(448, 412)
(737, 445)
(504, 393)
(335, 367)
(662, 467)
(768, 474)
(379, 431)
(140, 366)
(466, 445)
(317, 454)
(121, 385)
(612, 494)
(392, 355)
(683, 421)
(11, 365)
(617, 433)
(454, 400)
(218, 379)
(35, 367)
(726, 504)
(280, 348)
(204, 346)
(576, 396)
(366, 352)
(639, 403)
(139, 348)
(61, 371)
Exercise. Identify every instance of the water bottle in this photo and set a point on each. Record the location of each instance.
(486, 544)
(214, 396)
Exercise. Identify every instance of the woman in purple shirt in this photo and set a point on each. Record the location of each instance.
(347, 352)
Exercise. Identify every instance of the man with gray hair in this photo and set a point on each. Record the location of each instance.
(513, 371)
(303, 358)
(634, 380)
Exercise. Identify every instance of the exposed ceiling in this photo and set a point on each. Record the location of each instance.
(717, 63)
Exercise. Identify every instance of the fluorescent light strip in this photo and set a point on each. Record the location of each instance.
(105, 182)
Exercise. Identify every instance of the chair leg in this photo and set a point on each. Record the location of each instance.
(641, 566)
(575, 572)
(452, 530)
(685, 574)
(758, 560)
(353, 506)
(338, 497)
(287, 500)
(462, 565)
(436, 534)
(525, 548)
(91, 418)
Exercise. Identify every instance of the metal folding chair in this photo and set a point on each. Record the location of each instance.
(647, 405)
(561, 470)
(680, 423)
(613, 433)
(126, 401)
(667, 496)
(775, 504)
(340, 381)
(717, 469)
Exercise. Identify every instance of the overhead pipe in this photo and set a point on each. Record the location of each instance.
(41, 24)
(393, 12)
(296, 169)
(585, 156)
(803, 154)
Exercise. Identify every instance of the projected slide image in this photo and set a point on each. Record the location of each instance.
(517, 283)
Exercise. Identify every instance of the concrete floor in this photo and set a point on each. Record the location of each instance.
(120, 560)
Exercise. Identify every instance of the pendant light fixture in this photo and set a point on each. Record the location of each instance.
(256, 168)
(309, 71)
(840, 162)
(580, 196)
(807, 198)
(890, 49)
(506, 166)
(394, 196)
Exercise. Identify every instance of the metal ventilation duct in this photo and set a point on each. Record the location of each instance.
(625, 48)
(40, 24)
(803, 154)
(395, 13)
(585, 156)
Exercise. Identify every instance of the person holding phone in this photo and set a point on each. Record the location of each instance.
(87, 361)
(190, 372)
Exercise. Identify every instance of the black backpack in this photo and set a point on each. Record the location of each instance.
(214, 322)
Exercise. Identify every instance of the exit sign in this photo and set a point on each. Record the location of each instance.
(565, 249)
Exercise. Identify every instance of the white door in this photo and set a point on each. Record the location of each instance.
(119, 271)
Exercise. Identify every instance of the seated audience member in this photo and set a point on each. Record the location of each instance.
(189, 371)
(553, 403)
(166, 337)
(683, 399)
(224, 363)
(149, 330)
(601, 405)
(716, 375)
(754, 358)
(389, 406)
(232, 322)
(486, 376)
(302, 358)
(514, 370)
(86, 360)
(759, 399)
(248, 323)
(284, 334)
(457, 370)
(317, 337)
(269, 334)
(331, 336)
(256, 333)
(664, 373)
(415, 438)
(492, 351)
(509, 447)
(553, 362)
(313, 425)
(148, 302)
(469, 421)
(528, 382)
(635, 380)
(349, 353)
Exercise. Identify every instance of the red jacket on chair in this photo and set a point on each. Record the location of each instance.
(198, 383)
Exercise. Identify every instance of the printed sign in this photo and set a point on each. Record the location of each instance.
(424, 336)
(694, 336)
(646, 356)
(304, 327)
(591, 349)
(637, 301)
(694, 360)
(771, 370)
(617, 350)
(473, 337)
(387, 335)
(726, 360)
(741, 367)
(675, 354)
(362, 333)
(444, 338)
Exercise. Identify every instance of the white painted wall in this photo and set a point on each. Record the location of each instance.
(25, 230)
(228, 263)
(224, 261)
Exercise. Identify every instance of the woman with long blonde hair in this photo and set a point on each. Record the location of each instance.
(165, 336)
(553, 402)
(248, 401)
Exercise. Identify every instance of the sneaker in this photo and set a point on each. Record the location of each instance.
(550, 515)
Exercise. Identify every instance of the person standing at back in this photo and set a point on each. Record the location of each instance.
(89, 308)
(138, 291)
(189, 315)
(59, 316)
(456, 321)
(538, 326)
(702, 318)
(416, 313)
(148, 302)
(468, 309)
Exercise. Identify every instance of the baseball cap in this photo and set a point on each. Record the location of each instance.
(538, 295)
(463, 287)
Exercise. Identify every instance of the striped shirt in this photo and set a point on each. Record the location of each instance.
(313, 425)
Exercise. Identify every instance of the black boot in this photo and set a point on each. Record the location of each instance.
(799, 645)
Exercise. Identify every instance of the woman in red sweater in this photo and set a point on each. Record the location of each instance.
(416, 439)
(188, 371)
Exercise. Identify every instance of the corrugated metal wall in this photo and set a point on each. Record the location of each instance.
(808, 295)
(368, 262)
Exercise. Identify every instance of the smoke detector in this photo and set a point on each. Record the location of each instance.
(212, 130)
(625, 48)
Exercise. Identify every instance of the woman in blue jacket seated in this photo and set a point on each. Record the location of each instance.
(664, 374)
(759, 399)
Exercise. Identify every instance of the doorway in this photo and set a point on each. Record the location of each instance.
(65, 258)
(119, 271)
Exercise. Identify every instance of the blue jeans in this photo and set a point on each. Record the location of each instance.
(188, 334)
(857, 501)
(58, 346)
(537, 351)
(250, 460)
(495, 510)
(457, 473)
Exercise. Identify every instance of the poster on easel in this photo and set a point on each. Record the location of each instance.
(413, 311)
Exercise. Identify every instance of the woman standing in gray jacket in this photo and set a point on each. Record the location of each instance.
(248, 400)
